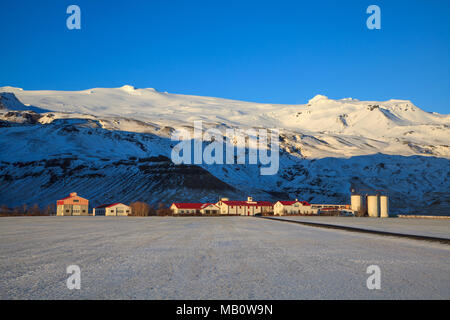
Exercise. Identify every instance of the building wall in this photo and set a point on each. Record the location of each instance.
(72, 210)
(243, 210)
(118, 210)
(74, 205)
(99, 211)
(176, 210)
(296, 208)
(337, 206)
(210, 210)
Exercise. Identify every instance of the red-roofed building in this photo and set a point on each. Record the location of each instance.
(244, 208)
(191, 208)
(73, 205)
(210, 208)
(293, 207)
(112, 209)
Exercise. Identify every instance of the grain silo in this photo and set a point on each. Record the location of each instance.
(384, 206)
(373, 206)
(356, 202)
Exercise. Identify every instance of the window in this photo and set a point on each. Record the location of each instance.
(76, 200)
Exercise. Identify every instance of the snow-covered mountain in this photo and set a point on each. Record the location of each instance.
(114, 145)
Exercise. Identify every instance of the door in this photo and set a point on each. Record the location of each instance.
(76, 210)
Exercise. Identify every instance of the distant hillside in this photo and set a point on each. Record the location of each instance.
(114, 144)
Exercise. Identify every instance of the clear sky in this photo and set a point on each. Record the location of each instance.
(263, 51)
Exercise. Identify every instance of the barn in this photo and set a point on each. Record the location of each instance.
(73, 205)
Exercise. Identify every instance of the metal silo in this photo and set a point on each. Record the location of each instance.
(384, 206)
(373, 206)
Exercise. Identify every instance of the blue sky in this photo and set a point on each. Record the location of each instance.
(264, 51)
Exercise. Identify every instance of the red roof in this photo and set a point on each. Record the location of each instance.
(287, 203)
(65, 198)
(188, 205)
(107, 205)
(70, 196)
(248, 204)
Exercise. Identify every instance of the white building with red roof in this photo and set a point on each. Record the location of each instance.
(210, 208)
(185, 208)
(192, 208)
(293, 207)
(112, 209)
(244, 208)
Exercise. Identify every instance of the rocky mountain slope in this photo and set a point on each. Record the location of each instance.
(114, 145)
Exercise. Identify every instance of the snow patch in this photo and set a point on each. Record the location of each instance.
(318, 98)
(130, 89)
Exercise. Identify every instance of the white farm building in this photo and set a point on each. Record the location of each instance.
(281, 208)
(194, 208)
(113, 209)
(244, 208)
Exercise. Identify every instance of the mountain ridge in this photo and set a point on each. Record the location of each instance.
(94, 138)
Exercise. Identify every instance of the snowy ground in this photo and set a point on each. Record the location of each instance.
(423, 227)
(211, 258)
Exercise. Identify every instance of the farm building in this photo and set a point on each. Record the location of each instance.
(186, 208)
(334, 206)
(244, 208)
(73, 205)
(293, 207)
(210, 208)
(191, 208)
(113, 209)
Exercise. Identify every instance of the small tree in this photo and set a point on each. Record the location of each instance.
(360, 212)
(163, 210)
(4, 209)
(152, 210)
(35, 210)
(50, 210)
(140, 209)
(17, 211)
